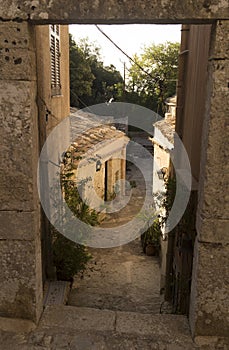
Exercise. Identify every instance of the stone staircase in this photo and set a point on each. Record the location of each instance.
(89, 328)
(78, 328)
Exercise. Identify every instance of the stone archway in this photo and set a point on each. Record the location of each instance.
(21, 292)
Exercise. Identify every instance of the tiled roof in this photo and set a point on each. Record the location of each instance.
(91, 132)
(171, 100)
(167, 128)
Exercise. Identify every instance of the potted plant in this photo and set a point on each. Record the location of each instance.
(151, 239)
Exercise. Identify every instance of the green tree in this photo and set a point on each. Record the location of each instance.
(81, 77)
(157, 79)
(90, 81)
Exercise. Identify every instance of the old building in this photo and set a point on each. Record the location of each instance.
(163, 143)
(52, 47)
(98, 156)
(52, 59)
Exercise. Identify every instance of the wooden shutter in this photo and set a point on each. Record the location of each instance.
(55, 59)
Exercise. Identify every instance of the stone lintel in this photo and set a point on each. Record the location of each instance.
(113, 11)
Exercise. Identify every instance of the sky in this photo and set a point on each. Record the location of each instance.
(130, 37)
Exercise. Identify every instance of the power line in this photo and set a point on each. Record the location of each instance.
(124, 53)
(84, 104)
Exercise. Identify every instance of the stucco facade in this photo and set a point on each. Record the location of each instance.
(98, 158)
(52, 108)
(163, 144)
(20, 248)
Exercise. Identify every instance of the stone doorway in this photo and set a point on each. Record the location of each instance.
(20, 206)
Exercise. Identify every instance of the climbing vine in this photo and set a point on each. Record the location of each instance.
(69, 257)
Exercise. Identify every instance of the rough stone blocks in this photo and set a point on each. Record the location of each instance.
(17, 52)
(16, 35)
(219, 47)
(214, 173)
(19, 225)
(18, 296)
(20, 255)
(209, 311)
(19, 137)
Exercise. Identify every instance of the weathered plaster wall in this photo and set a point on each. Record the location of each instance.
(112, 153)
(209, 300)
(190, 113)
(20, 274)
(52, 108)
(87, 11)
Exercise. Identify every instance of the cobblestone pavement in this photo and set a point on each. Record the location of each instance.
(121, 278)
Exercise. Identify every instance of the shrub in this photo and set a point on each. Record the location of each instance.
(68, 257)
(152, 236)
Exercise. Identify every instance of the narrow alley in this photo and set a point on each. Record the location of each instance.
(121, 278)
(114, 304)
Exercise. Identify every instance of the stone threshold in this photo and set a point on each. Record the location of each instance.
(56, 293)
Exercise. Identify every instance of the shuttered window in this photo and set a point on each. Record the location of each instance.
(55, 59)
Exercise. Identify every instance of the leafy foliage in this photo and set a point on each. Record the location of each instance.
(90, 81)
(75, 203)
(170, 193)
(81, 77)
(152, 89)
(70, 257)
(152, 235)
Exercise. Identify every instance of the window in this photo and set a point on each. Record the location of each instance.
(55, 59)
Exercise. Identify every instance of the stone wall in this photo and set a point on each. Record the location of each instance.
(209, 300)
(20, 261)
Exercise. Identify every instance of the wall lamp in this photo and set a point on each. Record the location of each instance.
(160, 175)
(98, 165)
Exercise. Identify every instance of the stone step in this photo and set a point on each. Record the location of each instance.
(114, 302)
(167, 332)
(56, 292)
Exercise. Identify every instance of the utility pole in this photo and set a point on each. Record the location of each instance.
(124, 77)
